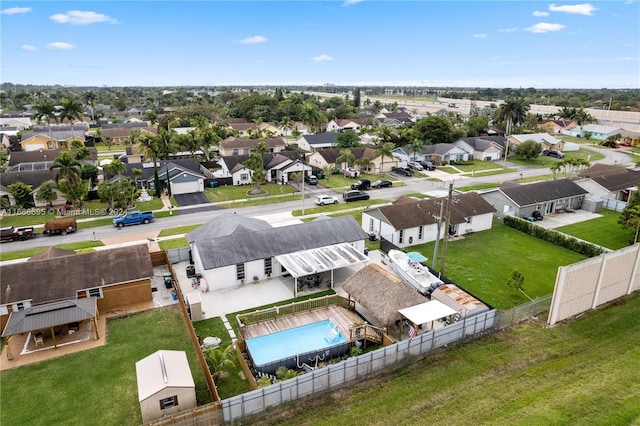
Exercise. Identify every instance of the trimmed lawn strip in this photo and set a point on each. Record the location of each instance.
(478, 166)
(21, 254)
(102, 378)
(173, 243)
(230, 193)
(486, 276)
(261, 201)
(604, 231)
(179, 230)
(340, 206)
(585, 371)
(494, 172)
(478, 187)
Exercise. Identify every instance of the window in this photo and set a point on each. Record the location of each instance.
(244, 176)
(235, 151)
(420, 232)
(401, 236)
(172, 401)
(267, 266)
(240, 271)
(370, 225)
(95, 292)
(246, 151)
(4, 310)
(19, 306)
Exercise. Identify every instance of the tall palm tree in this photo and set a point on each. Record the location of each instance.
(67, 167)
(71, 110)
(414, 146)
(346, 156)
(148, 147)
(310, 115)
(386, 150)
(385, 133)
(166, 144)
(46, 110)
(513, 111)
(90, 98)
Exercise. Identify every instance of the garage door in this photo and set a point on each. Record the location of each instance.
(185, 187)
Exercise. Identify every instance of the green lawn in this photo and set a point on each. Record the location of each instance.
(478, 166)
(483, 262)
(173, 243)
(230, 193)
(179, 230)
(603, 231)
(96, 386)
(577, 373)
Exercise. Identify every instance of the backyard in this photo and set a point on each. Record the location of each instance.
(96, 386)
(604, 231)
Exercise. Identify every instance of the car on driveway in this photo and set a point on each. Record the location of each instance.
(412, 165)
(553, 153)
(428, 165)
(311, 179)
(321, 200)
(382, 184)
(404, 172)
(355, 196)
(362, 184)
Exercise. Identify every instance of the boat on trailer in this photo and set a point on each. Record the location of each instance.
(409, 266)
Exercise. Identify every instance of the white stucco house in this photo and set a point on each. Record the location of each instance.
(232, 250)
(409, 222)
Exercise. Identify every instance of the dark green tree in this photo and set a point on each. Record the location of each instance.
(629, 218)
(47, 193)
(347, 139)
(21, 194)
(433, 129)
(529, 149)
(475, 126)
(356, 98)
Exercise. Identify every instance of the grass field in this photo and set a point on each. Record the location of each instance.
(582, 373)
(603, 231)
(96, 386)
(483, 262)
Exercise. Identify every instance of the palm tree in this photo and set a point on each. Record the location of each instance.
(286, 124)
(310, 115)
(385, 134)
(67, 168)
(71, 110)
(328, 170)
(346, 156)
(513, 111)
(148, 147)
(220, 359)
(166, 144)
(363, 164)
(137, 174)
(47, 192)
(90, 99)
(415, 146)
(386, 150)
(46, 110)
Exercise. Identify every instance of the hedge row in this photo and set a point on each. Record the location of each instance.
(553, 237)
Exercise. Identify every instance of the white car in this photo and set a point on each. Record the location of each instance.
(321, 200)
(415, 166)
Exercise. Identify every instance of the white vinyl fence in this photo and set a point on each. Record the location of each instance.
(355, 369)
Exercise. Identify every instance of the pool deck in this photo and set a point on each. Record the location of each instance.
(343, 318)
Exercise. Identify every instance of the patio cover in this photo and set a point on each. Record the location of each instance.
(307, 262)
(50, 315)
(427, 312)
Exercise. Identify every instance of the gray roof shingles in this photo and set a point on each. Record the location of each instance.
(539, 192)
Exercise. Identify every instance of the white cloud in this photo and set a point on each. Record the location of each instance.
(480, 36)
(576, 9)
(626, 58)
(15, 10)
(253, 40)
(540, 13)
(60, 45)
(27, 47)
(348, 3)
(322, 58)
(544, 27)
(508, 30)
(79, 17)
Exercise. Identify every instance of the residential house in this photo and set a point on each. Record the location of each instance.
(121, 134)
(547, 197)
(484, 148)
(329, 156)
(237, 146)
(597, 131)
(244, 129)
(17, 122)
(345, 124)
(4, 141)
(441, 153)
(629, 138)
(33, 178)
(545, 140)
(557, 126)
(32, 141)
(279, 167)
(115, 277)
(165, 385)
(298, 126)
(609, 181)
(232, 250)
(313, 143)
(393, 119)
(185, 176)
(409, 222)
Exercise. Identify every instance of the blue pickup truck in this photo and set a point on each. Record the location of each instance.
(133, 217)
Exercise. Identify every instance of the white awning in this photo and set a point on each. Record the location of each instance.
(307, 262)
(427, 312)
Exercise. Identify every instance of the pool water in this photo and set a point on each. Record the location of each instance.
(289, 344)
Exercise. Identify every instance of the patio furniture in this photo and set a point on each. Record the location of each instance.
(38, 339)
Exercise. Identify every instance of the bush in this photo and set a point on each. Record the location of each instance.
(553, 237)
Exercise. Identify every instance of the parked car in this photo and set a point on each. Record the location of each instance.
(133, 217)
(321, 200)
(355, 195)
(62, 225)
(362, 184)
(553, 153)
(428, 165)
(404, 172)
(9, 233)
(351, 173)
(382, 184)
(414, 166)
(311, 179)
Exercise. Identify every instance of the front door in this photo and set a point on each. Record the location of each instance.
(549, 209)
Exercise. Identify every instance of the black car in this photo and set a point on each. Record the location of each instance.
(428, 165)
(311, 180)
(355, 196)
(404, 172)
(382, 184)
(361, 184)
(553, 153)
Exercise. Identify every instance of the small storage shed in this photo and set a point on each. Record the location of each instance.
(458, 299)
(165, 384)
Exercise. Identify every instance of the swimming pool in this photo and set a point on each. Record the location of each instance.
(298, 344)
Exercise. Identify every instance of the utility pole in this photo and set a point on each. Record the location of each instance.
(439, 223)
(446, 228)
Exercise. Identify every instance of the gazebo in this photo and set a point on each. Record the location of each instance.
(51, 317)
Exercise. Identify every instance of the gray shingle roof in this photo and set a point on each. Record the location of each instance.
(321, 138)
(50, 315)
(245, 244)
(539, 192)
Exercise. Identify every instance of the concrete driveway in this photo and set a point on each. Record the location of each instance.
(191, 199)
(557, 220)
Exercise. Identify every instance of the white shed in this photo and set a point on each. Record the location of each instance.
(165, 384)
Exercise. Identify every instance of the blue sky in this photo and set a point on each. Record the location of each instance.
(415, 43)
